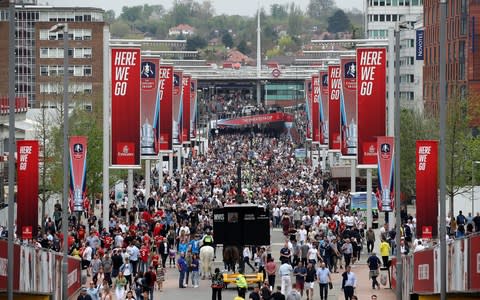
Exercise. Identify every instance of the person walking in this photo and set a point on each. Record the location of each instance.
(217, 285)
(347, 250)
(294, 294)
(182, 269)
(300, 272)
(385, 252)
(370, 237)
(310, 279)
(285, 271)
(373, 263)
(246, 258)
(349, 283)
(324, 280)
(271, 269)
(119, 284)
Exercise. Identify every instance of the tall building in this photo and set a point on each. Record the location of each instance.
(39, 54)
(382, 15)
(463, 46)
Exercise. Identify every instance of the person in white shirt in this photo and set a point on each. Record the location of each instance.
(285, 271)
(312, 255)
(324, 278)
(302, 235)
(419, 246)
(246, 257)
(349, 283)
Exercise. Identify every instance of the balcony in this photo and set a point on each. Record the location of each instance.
(21, 107)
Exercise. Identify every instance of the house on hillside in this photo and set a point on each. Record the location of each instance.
(182, 29)
(235, 56)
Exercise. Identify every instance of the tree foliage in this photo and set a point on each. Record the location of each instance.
(227, 39)
(319, 8)
(339, 22)
(196, 42)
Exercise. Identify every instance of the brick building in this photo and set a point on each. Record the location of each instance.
(39, 54)
(463, 51)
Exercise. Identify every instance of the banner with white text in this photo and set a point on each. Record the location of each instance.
(371, 101)
(165, 98)
(426, 186)
(27, 188)
(334, 88)
(308, 107)
(125, 119)
(186, 87)
(315, 108)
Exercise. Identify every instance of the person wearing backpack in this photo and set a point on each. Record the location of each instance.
(217, 285)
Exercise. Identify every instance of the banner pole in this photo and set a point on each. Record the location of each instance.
(353, 168)
(11, 146)
(106, 131)
(147, 178)
(130, 189)
(369, 198)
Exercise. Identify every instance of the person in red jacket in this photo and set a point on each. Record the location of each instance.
(144, 255)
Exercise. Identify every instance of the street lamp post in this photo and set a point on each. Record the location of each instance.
(475, 162)
(63, 27)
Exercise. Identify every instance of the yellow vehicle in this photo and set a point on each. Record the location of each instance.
(252, 279)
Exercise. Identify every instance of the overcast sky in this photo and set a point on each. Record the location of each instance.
(240, 7)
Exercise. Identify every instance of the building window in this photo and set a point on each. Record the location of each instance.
(382, 18)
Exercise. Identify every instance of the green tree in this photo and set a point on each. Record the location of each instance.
(339, 22)
(295, 20)
(319, 8)
(109, 16)
(227, 40)
(131, 14)
(243, 47)
(278, 11)
(195, 43)
(458, 160)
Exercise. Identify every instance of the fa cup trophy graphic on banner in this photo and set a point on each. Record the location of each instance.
(147, 139)
(352, 136)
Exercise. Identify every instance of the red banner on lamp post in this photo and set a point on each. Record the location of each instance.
(125, 117)
(323, 109)
(186, 87)
(149, 107)
(426, 186)
(78, 172)
(348, 106)
(165, 98)
(177, 106)
(308, 99)
(371, 95)
(334, 87)
(27, 186)
(315, 108)
(193, 108)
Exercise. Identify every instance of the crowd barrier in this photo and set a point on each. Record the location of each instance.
(38, 271)
(421, 270)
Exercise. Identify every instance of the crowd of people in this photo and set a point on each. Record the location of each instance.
(164, 231)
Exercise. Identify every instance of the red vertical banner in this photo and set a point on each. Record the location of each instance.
(27, 185)
(125, 119)
(78, 172)
(186, 87)
(149, 107)
(323, 109)
(423, 270)
(348, 105)
(426, 186)
(371, 97)
(308, 106)
(193, 108)
(386, 168)
(474, 264)
(177, 106)
(334, 88)
(165, 98)
(315, 108)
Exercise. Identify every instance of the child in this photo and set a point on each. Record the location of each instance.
(171, 254)
(160, 277)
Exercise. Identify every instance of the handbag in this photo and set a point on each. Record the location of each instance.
(330, 285)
